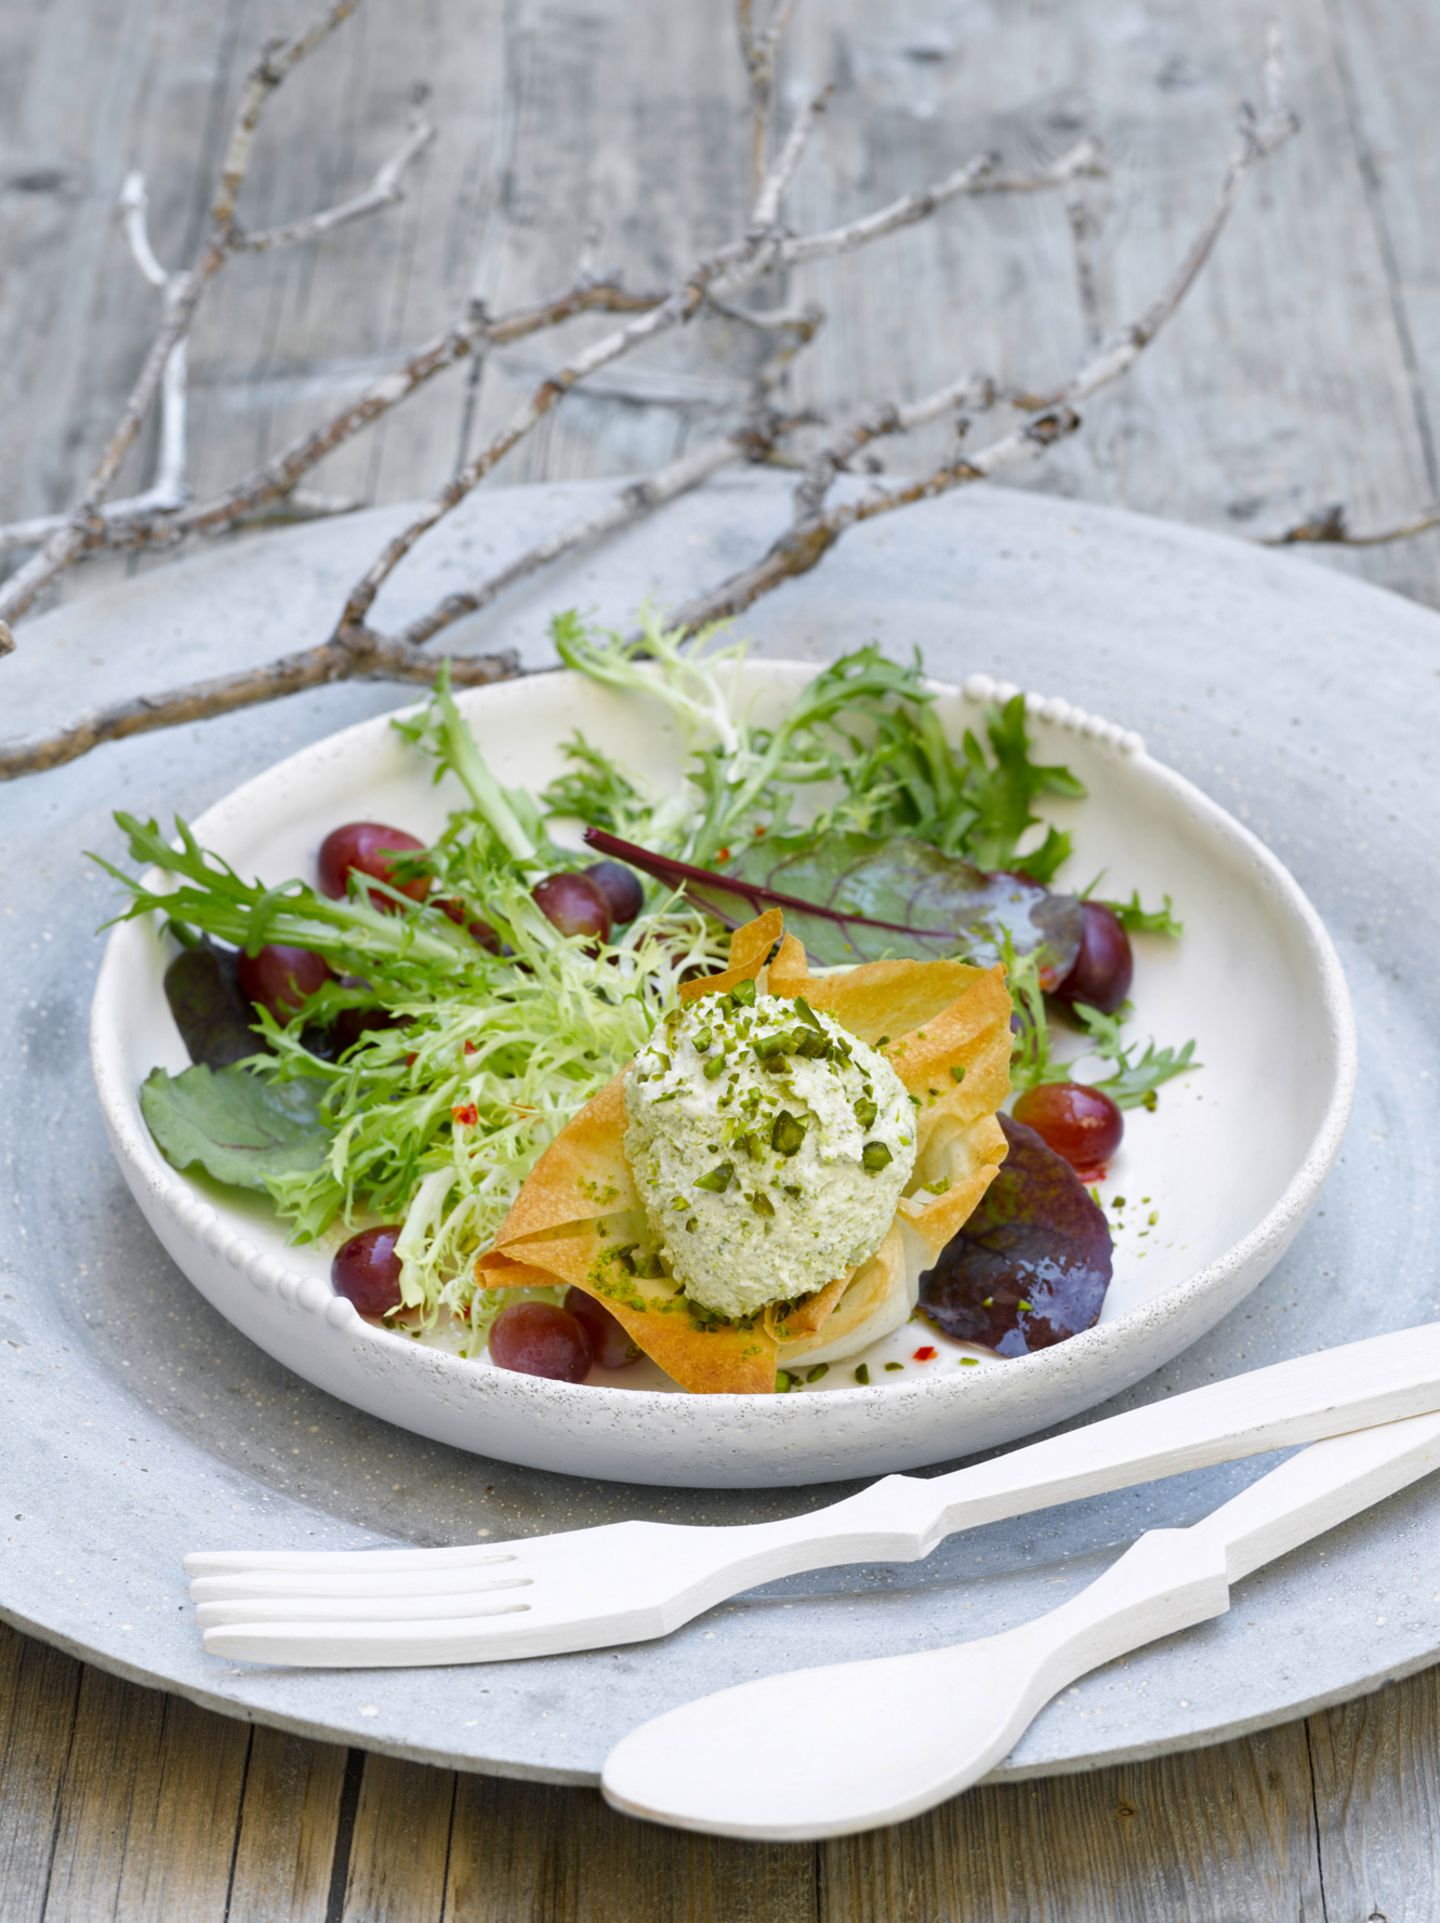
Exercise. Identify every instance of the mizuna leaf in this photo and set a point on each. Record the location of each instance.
(851, 898)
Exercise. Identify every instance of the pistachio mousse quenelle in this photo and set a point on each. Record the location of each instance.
(769, 1147)
(765, 1183)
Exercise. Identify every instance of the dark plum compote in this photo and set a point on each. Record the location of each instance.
(574, 904)
(1081, 1124)
(280, 978)
(368, 848)
(538, 1338)
(366, 1270)
(610, 1342)
(1105, 966)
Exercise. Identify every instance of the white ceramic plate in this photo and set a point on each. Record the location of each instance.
(1215, 1182)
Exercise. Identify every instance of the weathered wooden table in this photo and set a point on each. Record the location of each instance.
(1305, 371)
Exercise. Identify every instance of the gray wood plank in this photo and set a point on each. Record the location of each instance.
(1377, 1794)
(523, 1853)
(1222, 1833)
(400, 1846)
(149, 1807)
(289, 1819)
(38, 1695)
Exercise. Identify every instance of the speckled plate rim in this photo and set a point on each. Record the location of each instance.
(1096, 1363)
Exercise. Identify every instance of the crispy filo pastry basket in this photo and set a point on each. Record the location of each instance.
(944, 1026)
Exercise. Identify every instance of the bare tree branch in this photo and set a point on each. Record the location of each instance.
(717, 282)
(813, 532)
(385, 189)
(978, 176)
(726, 272)
(183, 296)
(974, 392)
(631, 504)
(777, 182)
(127, 525)
(1330, 527)
(276, 63)
(224, 694)
(758, 51)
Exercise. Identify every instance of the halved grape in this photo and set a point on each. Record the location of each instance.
(1105, 966)
(574, 904)
(1081, 1124)
(621, 888)
(366, 1270)
(280, 978)
(610, 1344)
(368, 847)
(537, 1338)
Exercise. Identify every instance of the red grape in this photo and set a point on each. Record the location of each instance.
(279, 978)
(351, 1023)
(476, 929)
(622, 891)
(1081, 1124)
(536, 1338)
(609, 1340)
(366, 1270)
(1104, 967)
(367, 848)
(574, 904)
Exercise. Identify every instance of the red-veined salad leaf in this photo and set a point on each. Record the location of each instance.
(236, 1125)
(851, 898)
(1032, 1264)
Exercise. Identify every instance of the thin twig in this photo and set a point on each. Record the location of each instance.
(973, 393)
(1330, 527)
(978, 176)
(717, 281)
(756, 441)
(291, 674)
(183, 296)
(278, 60)
(759, 51)
(167, 490)
(1083, 228)
(630, 504)
(1054, 416)
(126, 525)
(385, 190)
(778, 181)
(728, 271)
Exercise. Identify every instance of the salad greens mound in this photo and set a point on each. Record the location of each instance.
(421, 1083)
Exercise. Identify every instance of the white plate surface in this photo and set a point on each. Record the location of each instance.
(1205, 1193)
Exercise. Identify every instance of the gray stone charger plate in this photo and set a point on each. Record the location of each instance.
(140, 1425)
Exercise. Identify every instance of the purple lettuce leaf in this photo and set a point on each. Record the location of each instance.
(1031, 1266)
